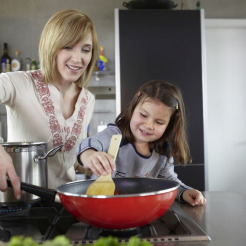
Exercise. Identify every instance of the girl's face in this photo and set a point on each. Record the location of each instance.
(72, 61)
(149, 121)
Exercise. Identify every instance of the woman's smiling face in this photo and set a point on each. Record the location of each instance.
(72, 61)
(149, 121)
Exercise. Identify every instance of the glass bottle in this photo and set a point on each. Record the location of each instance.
(5, 59)
(28, 64)
(16, 62)
(8, 66)
(33, 65)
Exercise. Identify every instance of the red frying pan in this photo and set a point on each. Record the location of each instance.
(137, 202)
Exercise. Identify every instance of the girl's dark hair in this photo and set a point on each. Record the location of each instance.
(174, 141)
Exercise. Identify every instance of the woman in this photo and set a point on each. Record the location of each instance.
(52, 104)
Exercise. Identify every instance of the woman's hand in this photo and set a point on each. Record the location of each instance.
(194, 197)
(100, 163)
(7, 170)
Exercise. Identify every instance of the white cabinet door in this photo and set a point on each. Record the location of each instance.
(226, 104)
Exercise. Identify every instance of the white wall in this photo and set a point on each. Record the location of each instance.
(226, 104)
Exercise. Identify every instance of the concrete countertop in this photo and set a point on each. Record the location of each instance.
(223, 219)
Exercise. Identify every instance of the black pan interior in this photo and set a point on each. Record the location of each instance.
(123, 185)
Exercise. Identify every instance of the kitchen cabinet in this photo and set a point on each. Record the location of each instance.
(226, 93)
(102, 85)
(166, 45)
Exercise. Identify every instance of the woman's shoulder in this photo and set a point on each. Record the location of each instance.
(15, 86)
(86, 93)
(18, 79)
(16, 75)
(85, 90)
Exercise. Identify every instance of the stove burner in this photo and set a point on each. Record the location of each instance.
(122, 233)
(95, 232)
(15, 207)
(168, 224)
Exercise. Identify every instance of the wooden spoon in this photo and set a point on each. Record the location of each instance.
(105, 185)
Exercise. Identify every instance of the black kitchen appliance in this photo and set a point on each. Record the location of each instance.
(160, 44)
(45, 220)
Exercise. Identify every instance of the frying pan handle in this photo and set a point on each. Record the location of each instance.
(42, 192)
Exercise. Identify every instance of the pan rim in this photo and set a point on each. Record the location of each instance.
(151, 193)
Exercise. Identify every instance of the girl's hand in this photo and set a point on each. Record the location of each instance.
(100, 163)
(7, 170)
(194, 197)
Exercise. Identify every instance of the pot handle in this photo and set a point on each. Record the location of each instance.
(50, 153)
(45, 193)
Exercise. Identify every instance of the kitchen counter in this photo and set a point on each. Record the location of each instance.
(223, 219)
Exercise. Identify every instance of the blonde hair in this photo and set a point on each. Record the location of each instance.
(65, 28)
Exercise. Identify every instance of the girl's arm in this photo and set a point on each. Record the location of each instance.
(194, 197)
(100, 163)
(92, 152)
(185, 193)
(167, 172)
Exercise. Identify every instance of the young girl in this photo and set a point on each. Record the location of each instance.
(52, 103)
(153, 127)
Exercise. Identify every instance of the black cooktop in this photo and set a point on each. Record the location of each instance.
(46, 220)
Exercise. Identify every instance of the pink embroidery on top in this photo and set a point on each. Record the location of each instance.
(71, 135)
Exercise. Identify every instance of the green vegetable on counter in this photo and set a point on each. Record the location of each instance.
(62, 240)
(28, 241)
(113, 241)
(21, 240)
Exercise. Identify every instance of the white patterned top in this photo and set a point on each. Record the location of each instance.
(34, 115)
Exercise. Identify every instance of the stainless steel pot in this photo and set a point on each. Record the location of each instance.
(29, 159)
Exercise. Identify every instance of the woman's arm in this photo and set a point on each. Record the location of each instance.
(7, 170)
